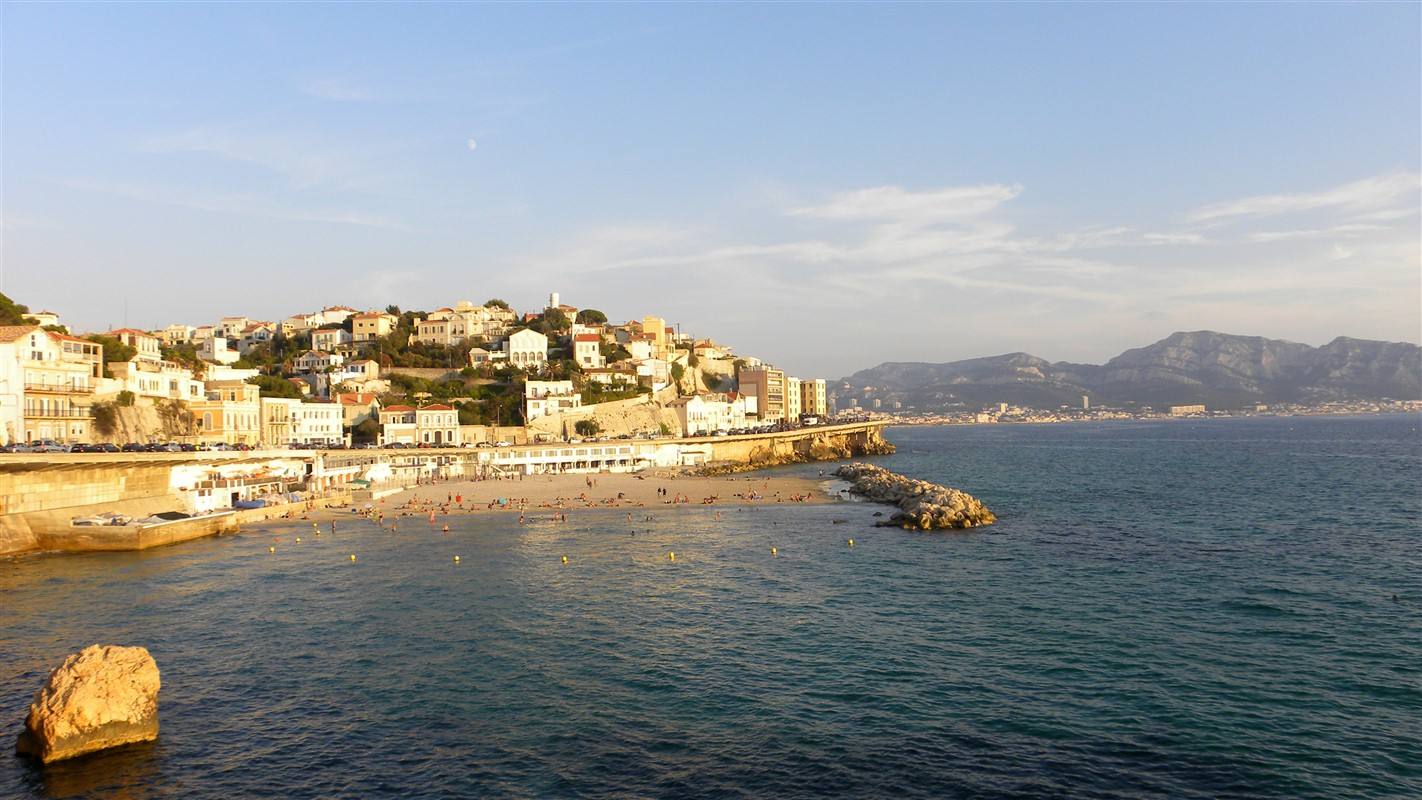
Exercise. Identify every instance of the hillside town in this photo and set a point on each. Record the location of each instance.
(465, 375)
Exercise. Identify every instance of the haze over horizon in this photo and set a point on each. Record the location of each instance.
(825, 190)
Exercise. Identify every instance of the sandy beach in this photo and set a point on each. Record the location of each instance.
(553, 493)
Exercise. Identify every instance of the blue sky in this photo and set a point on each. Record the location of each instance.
(825, 186)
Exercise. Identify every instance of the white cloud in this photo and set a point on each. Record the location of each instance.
(1173, 238)
(334, 89)
(236, 203)
(1350, 230)
(1364, 195)
(893, 203)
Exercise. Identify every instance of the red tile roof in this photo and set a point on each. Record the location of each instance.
(587, 337)
(10, 333)
(399, 408)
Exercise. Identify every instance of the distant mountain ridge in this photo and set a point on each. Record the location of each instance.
(1218, 369)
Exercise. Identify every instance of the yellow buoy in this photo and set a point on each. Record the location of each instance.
(774, 552)
(671, 556)
(456, 559)
(446, 529)
(271, 549)
(851, 542)
(353, 556)
(565, 559)
(298, 538)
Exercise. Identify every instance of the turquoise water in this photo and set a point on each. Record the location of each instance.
(1183, 609)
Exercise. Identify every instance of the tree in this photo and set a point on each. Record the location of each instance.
(276, 386)
(587, 427)
(12, 313)
(367, 430)
(115, 352)
(495, 302)
(393, 310)
(591, 316)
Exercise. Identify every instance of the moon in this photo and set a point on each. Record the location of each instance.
(472, 144)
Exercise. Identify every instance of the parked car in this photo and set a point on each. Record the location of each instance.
(48, 446)
(133, 447)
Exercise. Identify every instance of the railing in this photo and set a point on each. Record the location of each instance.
(58, 388)
(58, 413)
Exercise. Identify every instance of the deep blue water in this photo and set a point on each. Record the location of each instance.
(1173, 610)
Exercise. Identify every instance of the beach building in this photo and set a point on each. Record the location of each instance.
(527, 349)
(767, 385)
(542, 398)
(372, 325)
(60, 374)
(232, 327)
(793, 409)
(148, 346)
(318, 423)
(230, 414)
(13, 339)
(435, 425)
(812, 398)
(276, 420)
(317, 361)
(329, 339)
(177, 334)
(1187, 410)
(708, 413)
(162, 380)
(357, 407)
(214, 349)
(587, 351)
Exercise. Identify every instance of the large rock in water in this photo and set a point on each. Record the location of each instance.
(923, 506)
(103, 696)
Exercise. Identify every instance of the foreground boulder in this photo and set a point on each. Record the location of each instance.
(103, 696)
(923, 506)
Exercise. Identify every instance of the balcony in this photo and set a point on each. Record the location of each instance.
(58, 388)
(58, 413)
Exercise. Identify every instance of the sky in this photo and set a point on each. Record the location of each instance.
(823, 186)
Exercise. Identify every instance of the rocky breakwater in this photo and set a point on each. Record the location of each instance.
(923, 506)
(101, 697)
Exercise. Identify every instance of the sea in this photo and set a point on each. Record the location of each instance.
(1220, 608)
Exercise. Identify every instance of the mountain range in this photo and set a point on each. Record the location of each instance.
(1218, 369)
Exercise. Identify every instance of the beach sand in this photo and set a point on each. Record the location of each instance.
(610, 491)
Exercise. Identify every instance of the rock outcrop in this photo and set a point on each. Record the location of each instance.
(103, 696)
(923, 506)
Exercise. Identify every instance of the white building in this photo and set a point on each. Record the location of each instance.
(708, 413)
(319, 424)
(318, 361)
(329, 339)
(435, 425)
(163, 380)
(542, 398)
(587, 351)
(214, 349)
(177, 334)
(232, 327)
(527, 349)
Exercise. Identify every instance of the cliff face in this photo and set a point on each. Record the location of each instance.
(1218, 369)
